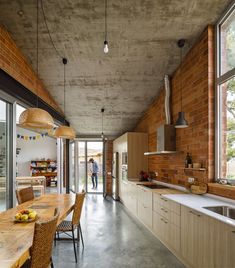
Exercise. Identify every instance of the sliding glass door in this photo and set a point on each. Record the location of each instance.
(6, 184)
(94, 166)
(84, 174)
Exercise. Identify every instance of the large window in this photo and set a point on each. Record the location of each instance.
(225, 131)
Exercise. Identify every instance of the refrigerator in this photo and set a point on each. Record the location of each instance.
(115, 177)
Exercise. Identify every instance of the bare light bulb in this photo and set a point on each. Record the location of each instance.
(106, 48)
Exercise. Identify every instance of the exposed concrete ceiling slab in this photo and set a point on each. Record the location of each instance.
(142, 39)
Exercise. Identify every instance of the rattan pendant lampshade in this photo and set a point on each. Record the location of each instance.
(36, 118)
(65, 132)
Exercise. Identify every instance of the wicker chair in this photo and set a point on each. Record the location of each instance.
(71, 226)
(24, 194)
(41, 249)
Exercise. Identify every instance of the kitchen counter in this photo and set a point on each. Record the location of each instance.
(197, 202)
(158, 191)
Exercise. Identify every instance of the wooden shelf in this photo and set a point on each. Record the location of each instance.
(46, 174)
(195, 169)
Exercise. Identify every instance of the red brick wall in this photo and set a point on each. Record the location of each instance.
(108, 166)
(13, 62)
(198, 104)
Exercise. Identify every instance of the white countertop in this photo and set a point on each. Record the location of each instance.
(197, 202)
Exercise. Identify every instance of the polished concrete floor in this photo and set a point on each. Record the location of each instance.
(113, 239)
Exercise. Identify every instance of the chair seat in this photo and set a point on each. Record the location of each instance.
(65, 226)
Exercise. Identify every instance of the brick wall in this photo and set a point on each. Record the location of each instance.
(108, 166)
(197, 76)
(13, 62)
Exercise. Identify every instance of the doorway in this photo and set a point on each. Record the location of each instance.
(81, 151)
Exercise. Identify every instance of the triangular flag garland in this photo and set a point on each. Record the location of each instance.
(33, 138)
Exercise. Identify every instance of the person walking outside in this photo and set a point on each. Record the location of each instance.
(94, 173)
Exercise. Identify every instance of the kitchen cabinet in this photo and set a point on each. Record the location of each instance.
(166, 221)
(144, 211)
(129, 196)
(131, 147)
(231, 246)
(206, 242)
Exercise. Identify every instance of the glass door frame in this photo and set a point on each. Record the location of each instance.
(10, 148)
(76, 164)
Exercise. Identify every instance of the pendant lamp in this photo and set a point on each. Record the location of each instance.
(36, 118)
(181, 122)
(106, 48)
(102, 124)
(65, 132)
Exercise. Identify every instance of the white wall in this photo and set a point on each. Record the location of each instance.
(33, 150)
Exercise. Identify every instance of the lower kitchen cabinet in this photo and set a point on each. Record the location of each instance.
(166, 221)
(206, 242)
(200, 241)
(144, 212)
(192, 237)
(231, 246)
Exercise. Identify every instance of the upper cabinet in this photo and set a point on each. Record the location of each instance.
(131, 147)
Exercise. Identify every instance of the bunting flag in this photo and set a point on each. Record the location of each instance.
(33, 138)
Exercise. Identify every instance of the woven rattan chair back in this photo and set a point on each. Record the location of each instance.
(41, 249)
(24, 194)
(78, 208)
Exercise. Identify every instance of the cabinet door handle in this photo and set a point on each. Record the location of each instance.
(194, 213)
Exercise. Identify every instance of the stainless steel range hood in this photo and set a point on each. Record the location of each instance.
(166, 141)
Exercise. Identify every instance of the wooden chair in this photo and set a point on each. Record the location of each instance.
(71, 226)
(24, 195)
(41, 250)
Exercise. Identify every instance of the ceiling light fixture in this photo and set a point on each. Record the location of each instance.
(106, 48)
(36, 118)
(65, 132)
(102, 118)
(181, 122)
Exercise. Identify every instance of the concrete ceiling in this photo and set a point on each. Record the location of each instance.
(142, 39)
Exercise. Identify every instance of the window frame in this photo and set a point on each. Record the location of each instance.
(219, 80)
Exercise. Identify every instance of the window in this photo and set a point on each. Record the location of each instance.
(225, 131)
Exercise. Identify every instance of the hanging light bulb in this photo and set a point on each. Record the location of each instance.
(106, 48)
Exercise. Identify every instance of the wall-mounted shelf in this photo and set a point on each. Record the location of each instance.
(162, 152)
(195, 169)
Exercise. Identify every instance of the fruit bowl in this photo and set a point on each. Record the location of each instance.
(25, 215)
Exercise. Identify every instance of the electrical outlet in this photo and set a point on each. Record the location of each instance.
(191, 180)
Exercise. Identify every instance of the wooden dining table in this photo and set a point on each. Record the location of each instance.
(16, 238)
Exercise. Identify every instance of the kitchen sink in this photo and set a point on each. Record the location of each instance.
(154, 186)
(223, 210)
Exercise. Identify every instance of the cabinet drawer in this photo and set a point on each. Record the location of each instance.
(164, 212)
(164, 202)
(175, 207)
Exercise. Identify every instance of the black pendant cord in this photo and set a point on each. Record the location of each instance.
(181, 78)
(102, 122)
(105, 22)
(64, 62)
(45, 21)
